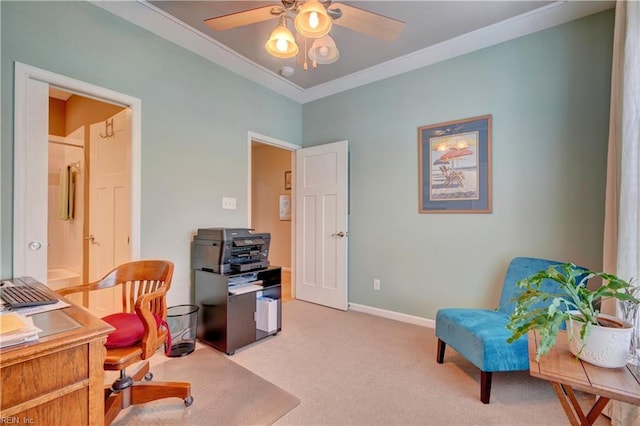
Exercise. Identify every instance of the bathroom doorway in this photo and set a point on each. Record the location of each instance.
(88, 229)
(31, 171)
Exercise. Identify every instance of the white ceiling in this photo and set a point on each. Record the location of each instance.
(434, 31)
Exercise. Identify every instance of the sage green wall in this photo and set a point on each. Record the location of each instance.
(195, 119)
(548, 94)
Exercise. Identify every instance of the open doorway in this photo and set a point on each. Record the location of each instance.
(88, 156)
(32, 176)
(271, 202)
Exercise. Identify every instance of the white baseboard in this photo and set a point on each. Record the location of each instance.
(411, 319)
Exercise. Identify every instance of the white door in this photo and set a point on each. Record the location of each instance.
(321, 224)
(31, 171)
(109, 203)
(31, 135)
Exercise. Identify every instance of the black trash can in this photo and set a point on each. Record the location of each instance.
(183, 323)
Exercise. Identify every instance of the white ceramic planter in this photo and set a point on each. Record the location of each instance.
(602, 346)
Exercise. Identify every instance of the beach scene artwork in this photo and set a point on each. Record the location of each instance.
(454, 166)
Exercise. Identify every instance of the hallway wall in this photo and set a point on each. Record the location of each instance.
(269, 164)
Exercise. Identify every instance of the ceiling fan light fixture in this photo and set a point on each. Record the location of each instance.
(281, 43)
(312, 20)
(324, 50)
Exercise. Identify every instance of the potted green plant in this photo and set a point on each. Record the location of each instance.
(559, 295)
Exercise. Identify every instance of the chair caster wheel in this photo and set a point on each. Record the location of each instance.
(148, 376)
(188, 401)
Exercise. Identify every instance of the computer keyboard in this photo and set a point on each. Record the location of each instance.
(20, 296)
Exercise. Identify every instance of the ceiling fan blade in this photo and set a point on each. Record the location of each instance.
(239, 19)
(367, 22)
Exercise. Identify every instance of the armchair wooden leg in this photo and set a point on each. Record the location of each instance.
(485, 386)
(440, 355)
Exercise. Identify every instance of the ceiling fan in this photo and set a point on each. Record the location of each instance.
(313, 19)
(344, 15)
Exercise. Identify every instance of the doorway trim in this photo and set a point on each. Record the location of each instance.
(24, 73)
(268, 140)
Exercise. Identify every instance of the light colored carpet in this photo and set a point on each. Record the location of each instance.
(224, 393)
(351, 368)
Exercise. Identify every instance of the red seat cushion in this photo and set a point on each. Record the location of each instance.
(128, 329)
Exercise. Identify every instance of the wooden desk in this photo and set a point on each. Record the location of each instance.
(57, 379)
(567, 373)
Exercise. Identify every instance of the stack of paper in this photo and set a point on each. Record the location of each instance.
(16, 329)
(241, 289)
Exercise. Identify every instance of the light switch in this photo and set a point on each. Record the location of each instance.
(228, 203)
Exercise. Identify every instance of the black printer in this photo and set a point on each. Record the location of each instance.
(223, 250)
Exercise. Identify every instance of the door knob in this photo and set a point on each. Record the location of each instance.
(35, 245)
(340, 234)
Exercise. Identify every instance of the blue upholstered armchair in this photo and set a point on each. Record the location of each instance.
(480, 335)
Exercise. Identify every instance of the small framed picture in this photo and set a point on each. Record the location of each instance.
(285, 207)
(287, 179)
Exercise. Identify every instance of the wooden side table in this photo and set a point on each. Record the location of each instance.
(566, 373)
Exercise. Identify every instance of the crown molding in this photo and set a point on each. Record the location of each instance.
(149, 17)
(549, 16)
(160, 23)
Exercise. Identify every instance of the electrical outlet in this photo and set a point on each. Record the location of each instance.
(376, 284)
(228, 203)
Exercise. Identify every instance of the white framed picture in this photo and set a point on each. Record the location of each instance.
(285, 207)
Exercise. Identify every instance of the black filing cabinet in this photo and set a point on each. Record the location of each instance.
(228, 321)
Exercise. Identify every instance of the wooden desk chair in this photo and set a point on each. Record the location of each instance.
(143, 288)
